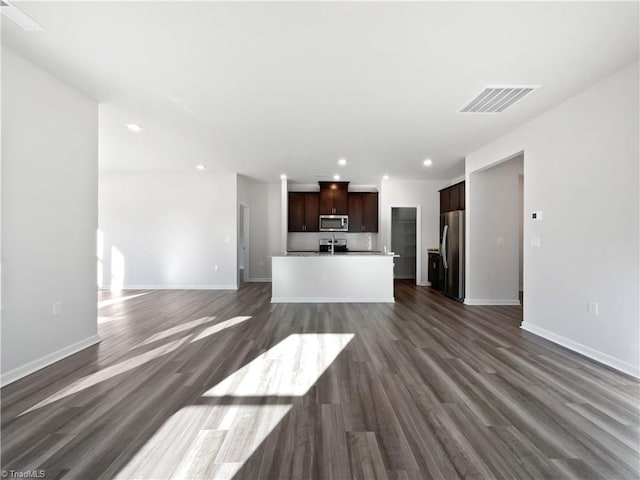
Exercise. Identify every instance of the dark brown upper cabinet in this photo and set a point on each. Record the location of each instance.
(363, 212)
(334, 198)
(303, 211)
(452, 198)
(444, 201)
(355, 213)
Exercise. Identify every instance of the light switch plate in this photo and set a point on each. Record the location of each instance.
(536, 215)
(57, 308)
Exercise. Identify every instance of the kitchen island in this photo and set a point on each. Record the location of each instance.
(313, 277)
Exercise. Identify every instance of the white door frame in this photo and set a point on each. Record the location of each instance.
(246, 223)
(418, 236)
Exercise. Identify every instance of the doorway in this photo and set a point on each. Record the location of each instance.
(243, 244)
(494, 263)
(404, 242)
(521, 237)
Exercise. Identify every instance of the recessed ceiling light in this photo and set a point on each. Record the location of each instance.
(428, 162)
(134, 127)
(385, 177)
(336, 177)
(283, 177)
(342, 162)
(200, 166)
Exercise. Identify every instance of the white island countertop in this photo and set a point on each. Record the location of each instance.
(336, 254)
(314, 277)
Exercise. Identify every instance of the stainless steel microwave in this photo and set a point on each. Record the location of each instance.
(334, 223)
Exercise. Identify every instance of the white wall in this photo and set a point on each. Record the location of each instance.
(581, 170)
(265, 229)
(49, 218)
(409, 193)
(493, 212)
(244, 189)
(172, 229)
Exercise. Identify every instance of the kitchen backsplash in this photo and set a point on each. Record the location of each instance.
(310, 241)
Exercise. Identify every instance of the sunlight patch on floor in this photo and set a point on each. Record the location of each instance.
(113, 301)
(218, 327)
(288, 369)
(201, 441)
(215, 439)
(180, 328)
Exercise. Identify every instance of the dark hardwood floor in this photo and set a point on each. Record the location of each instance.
(208, 384)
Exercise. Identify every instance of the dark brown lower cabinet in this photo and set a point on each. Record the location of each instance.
(435, 267)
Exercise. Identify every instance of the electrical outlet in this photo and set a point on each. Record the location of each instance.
(593, 308)
(57, 308)
(535, 242)
(500, 240)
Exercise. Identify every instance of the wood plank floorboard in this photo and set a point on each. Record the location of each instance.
(220, 384)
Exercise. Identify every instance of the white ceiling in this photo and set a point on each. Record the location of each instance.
(266, 88)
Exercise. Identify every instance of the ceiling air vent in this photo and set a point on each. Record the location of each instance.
(497, 98)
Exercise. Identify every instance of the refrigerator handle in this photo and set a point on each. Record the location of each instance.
(443, 250)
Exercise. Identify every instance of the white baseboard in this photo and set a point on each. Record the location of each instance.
(331, 300)
(628, 368)
(488, 301)
(260, 279)
(17, 373)
(424, 284)
(180, 287)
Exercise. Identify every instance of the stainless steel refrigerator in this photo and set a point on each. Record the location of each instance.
(452, 252)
